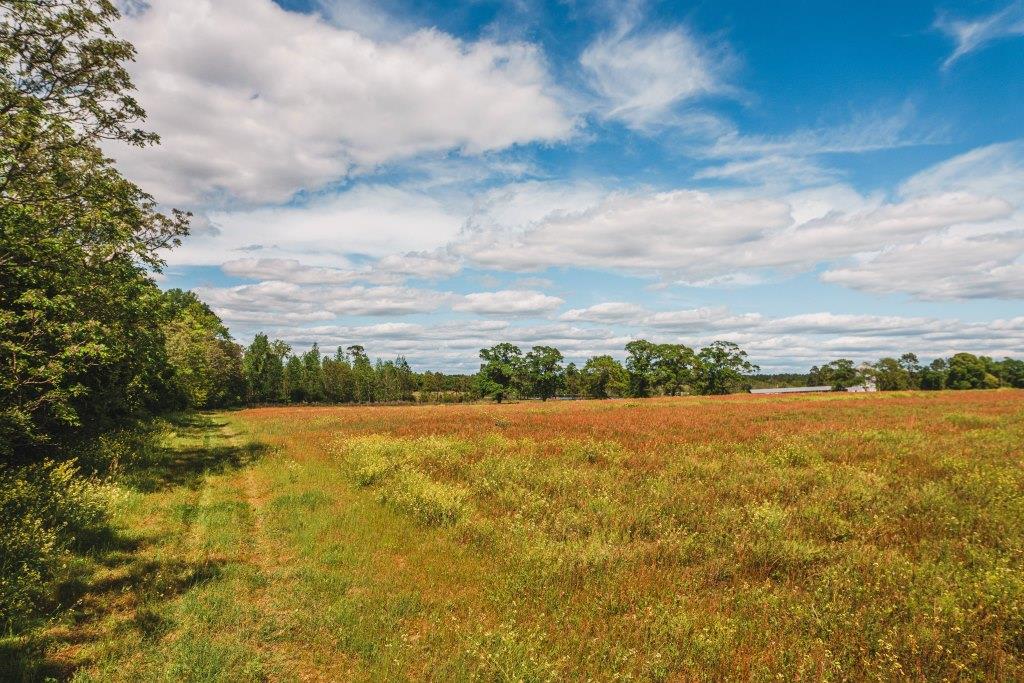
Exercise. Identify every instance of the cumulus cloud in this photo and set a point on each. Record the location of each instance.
(697, 236)
(287, 270)
(390, 269)
(942, 267)
(608, 312)
(510, 302)
(969, 260)
(270, 301)
(375, 220)
(631, 231)
(969, 35)
(255, 103)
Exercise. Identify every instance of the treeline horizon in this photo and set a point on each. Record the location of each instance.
(272, 374)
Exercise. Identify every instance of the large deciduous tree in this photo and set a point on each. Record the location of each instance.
(640, 358)
(544, 372)
(675, 368)
(501, 372)
(967, 371)
(604, 377)
(78, 341)
(206, 364)
(722, 367)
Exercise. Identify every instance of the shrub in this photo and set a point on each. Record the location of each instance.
(45, 510)
(431, 503)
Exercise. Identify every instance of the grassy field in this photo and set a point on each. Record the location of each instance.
(784, 538)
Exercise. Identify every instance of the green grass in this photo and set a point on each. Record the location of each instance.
(866, 539)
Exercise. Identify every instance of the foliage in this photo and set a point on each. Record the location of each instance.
(544, 372)
(604, 377)
(45, 508)
(572, 383)
(840, 374)
(77, 338)
(967, 371)
(640, 364)
(263, 367)
(675, 368)
(721, 368)
(206, 364)
(501, 373)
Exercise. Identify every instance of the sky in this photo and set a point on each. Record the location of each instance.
(811, 180)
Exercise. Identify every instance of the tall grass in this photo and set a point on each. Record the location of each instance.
(810, 538)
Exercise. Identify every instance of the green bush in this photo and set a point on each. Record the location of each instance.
(45, 510)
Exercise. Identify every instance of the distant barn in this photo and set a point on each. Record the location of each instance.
(791, 390)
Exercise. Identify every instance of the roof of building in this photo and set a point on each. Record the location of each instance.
(790, 390)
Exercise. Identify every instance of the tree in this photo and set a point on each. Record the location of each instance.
(294, 386)
(206, 363)
(406, 379)
(364, 385)
(640, 365)
(675, 367)
(263, 365)
(313, 375)
(1013, 372)
(967, 371)
(500, 373)
(339, 381)
(839, 374)
(572, 383)
(543, 371)
(604, 377)
(912, 366)
(891, 375)
(80, 336)
(721, 368)
(933, 378)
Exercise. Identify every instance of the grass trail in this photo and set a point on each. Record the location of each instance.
(235, 563)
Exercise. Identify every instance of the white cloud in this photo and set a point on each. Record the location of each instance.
(966, 261)
(641, 76)
(271, 301)
(608, 312)
(994, 170)
(701, 236)
(634, 231)
(287, 270)
(942, 267)
(508, 302)
(255, 102)
(391, 269)
(973, 34)
(375, 220)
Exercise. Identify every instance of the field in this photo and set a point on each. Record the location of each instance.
(786, 538)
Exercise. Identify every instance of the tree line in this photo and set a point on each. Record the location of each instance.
(650, 369)
(959, 372)
(209, 371)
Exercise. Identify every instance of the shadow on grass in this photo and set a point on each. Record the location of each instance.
(192, 455)
(116, 576)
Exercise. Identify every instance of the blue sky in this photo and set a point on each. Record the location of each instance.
(811, 180)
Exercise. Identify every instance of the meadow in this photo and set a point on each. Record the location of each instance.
(828, 537)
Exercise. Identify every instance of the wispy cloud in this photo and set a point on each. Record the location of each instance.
(970, 35)
(642, 76)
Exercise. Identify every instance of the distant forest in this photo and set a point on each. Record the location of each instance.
(210, 370)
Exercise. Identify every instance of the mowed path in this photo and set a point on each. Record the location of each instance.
(244, 563)
(811, 538)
